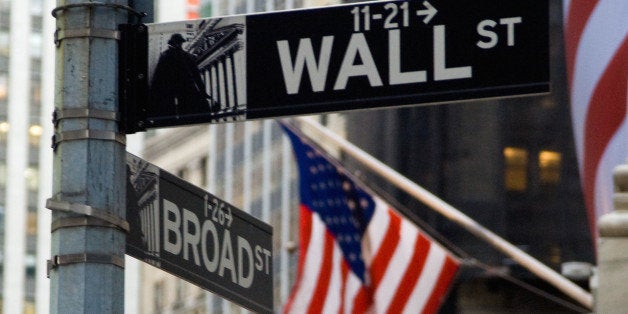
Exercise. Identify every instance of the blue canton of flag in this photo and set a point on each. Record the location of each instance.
(345, 209)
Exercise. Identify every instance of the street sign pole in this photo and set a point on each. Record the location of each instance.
(88, 237)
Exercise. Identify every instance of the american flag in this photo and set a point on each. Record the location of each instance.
(596, 37)
(356, 253)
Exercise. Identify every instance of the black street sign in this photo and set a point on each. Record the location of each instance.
(354, 56)
(192, 234)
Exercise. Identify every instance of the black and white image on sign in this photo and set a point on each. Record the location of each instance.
(198, 69)
(143, 213)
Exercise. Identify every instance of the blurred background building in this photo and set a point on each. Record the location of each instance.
(509, 164)
(26, 87)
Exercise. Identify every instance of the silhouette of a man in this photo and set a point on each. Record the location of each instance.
(177, 87)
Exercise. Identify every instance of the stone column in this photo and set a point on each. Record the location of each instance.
(612, 294)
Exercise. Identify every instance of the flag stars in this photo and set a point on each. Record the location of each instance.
(348, 238)
(351, 204)
(364, 203)
(355, 222)
(338, 202)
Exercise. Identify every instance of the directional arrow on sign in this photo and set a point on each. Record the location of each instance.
(429, 12)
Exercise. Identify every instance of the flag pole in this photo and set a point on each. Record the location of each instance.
(530, 263)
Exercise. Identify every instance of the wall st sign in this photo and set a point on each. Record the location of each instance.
(356, 56)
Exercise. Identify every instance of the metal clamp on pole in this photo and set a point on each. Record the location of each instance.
(110, 219)
(82, 113)
(57, 10)
(61, 260)
(91, 32)
(61, 34)
(87, 134)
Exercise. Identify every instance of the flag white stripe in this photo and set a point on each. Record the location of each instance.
(353, 286)
(397, 266)
(376, 231)
(311, 267)
(429, 277)
(593, 55)
(332, 301)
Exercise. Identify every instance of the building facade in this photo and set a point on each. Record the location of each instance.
(26, 102)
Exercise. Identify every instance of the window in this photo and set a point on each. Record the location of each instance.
(515, 172)
(4, 130)
(34, 134)
(549, 167)
(31, 223)
(32, 178)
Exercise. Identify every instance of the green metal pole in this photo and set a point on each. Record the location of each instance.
(87, 265)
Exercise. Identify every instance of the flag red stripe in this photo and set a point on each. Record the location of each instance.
(579, 13)
(607, 111)
(362, 301)
(412, 274)
(440, 289)
(305, 225)
(322, 286)
(386, 251)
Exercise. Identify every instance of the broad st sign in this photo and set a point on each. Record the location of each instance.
(356, 56)
(192, 234)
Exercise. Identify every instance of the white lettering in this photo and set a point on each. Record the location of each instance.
(259, 261)
(191, 240)
(210, 264)
(441, 72)
(267, 255)
(394, 65)
(226, 257)
(292, 73)
(510, 24)
(245, 247)
(184, 234)
(172, 228)
(357, 45)
(485, 29)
